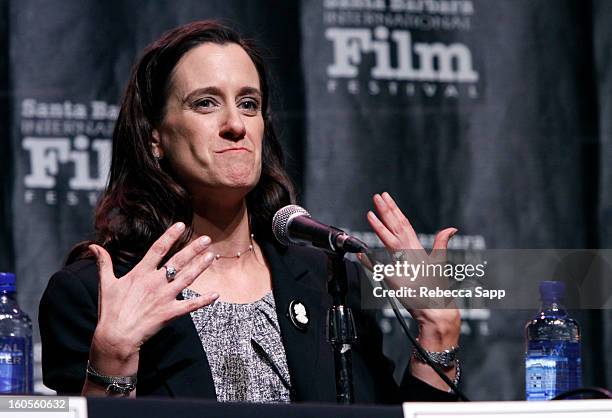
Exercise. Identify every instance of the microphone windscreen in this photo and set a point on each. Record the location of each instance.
(281, 220)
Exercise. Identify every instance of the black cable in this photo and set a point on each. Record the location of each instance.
(599, 393)
(424, 355)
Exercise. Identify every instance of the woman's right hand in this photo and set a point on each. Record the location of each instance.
(135, 307)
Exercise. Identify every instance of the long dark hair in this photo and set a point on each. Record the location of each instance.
(142, 198)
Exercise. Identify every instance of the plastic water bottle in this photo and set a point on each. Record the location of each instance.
(552, 352)
(16, 365)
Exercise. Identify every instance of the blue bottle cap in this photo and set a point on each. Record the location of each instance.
(7, 282)
(550, 290)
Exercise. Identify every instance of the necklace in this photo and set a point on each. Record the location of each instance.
(239, 253)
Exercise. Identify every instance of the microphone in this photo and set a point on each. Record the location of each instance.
(293, 225)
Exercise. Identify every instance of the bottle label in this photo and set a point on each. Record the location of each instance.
(551, 368)
(14, 365)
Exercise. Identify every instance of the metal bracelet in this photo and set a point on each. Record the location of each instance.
(441, 358)
(121, 385)
(457, 373)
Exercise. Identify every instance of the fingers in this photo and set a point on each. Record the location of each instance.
(184, 257)
(186, 306)
(438, 252)
(160, 247)
(104, 262)
(190, 273)
(393, 228)
(386, 236)
(392, 215)
(387, 216)
(442, 238)
(394, 220)
(365, 261)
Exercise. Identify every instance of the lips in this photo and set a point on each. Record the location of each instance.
(236, 149)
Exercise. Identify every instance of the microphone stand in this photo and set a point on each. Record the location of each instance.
(341, 332)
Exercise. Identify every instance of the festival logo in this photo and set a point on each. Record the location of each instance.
(407, 47)
(66, 149)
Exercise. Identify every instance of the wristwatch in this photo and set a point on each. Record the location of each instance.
(115, 385)
(444, 358)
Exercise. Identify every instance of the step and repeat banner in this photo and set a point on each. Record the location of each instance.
(490, 116)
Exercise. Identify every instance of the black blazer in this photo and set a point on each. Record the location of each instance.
(173, 362)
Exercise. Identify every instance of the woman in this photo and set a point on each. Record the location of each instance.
(196, 176)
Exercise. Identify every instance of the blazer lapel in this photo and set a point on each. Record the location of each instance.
(293, 280)
(174, 359)
(178, 359)
(175, 355)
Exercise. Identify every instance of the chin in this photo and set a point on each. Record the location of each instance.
(243, 179)
(244, 184)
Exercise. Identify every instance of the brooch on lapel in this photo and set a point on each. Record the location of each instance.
(298, 314)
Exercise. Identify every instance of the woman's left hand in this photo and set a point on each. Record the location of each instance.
(439, 329)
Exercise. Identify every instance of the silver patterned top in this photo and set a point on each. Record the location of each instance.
(244, 350)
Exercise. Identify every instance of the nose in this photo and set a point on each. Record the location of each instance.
(232, 125)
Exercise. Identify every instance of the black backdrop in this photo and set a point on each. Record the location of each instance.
(493, 116)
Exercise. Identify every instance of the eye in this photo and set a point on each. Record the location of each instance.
(203, 104)
(250, 106)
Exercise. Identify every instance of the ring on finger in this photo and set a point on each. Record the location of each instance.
(398, 255)
(170, 273)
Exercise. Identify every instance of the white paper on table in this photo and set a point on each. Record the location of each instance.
(593, 408)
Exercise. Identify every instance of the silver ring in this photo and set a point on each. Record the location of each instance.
(170, 273)
(398, 255)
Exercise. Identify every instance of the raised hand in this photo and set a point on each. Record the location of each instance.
(438, 328)
(394, 229)
(135, 307)
(399, 237)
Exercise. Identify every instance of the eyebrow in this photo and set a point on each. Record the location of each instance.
(215, 91)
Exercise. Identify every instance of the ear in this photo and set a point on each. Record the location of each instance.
(156, 147)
